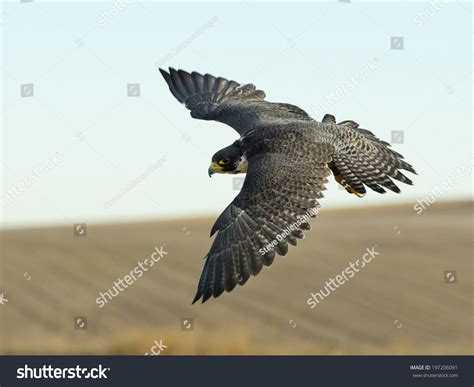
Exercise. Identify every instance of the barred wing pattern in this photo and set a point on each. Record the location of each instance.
(279, 192)
(289, 157)
(362, 159)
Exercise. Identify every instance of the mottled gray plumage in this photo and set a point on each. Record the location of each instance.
(289, 158)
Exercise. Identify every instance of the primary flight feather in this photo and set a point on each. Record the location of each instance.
(287, 157)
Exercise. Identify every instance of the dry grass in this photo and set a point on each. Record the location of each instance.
(404, 283)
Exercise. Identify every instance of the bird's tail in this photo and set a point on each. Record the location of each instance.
(361, 159)
(202, 94)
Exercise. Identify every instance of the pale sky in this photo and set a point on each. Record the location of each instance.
(76, 148)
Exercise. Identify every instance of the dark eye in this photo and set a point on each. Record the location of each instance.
(224, 161)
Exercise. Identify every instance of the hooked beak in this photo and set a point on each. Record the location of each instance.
(211, 171)
(214, 168)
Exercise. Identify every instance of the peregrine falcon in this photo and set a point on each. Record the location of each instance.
(287, 157)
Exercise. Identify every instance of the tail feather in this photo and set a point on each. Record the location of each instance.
(364, 160)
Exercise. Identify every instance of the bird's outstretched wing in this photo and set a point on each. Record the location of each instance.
(278, 196)
(241, 106)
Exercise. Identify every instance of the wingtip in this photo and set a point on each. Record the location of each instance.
(169, 72)
(166, 76)
(196, 297)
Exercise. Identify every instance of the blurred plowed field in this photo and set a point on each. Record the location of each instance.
(399, 303)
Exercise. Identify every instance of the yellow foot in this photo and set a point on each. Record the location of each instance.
(348, 188)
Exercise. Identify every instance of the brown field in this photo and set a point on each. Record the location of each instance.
(398, 304)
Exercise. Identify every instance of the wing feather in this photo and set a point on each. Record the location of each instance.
(264, 218)
(216, 98)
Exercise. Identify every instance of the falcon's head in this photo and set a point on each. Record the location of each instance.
(228, 160)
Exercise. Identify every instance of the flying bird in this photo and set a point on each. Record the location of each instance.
(287, 157)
